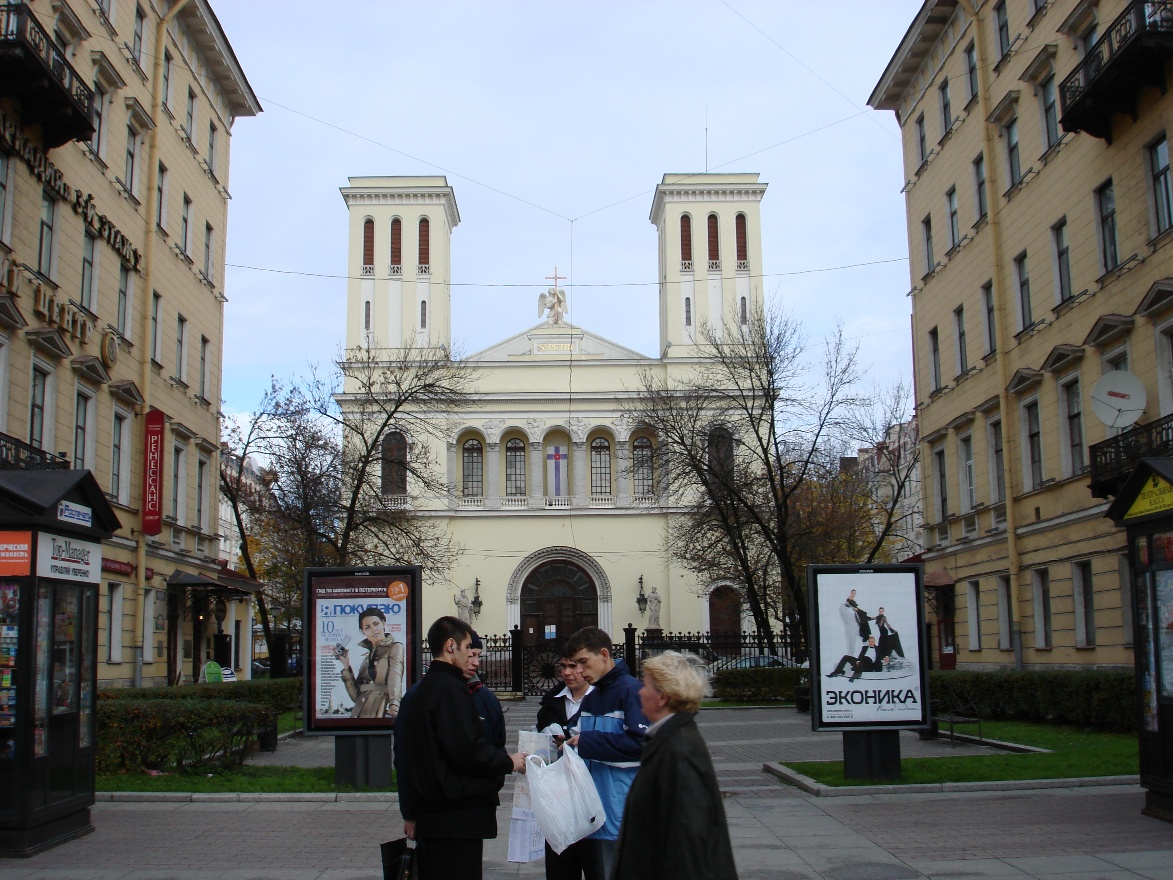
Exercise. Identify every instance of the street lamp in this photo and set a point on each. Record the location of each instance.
(477, 604)
(641, 600)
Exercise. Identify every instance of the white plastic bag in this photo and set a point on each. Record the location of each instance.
(564, 799)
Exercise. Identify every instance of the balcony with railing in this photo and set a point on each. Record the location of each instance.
(33, 70)
(17, 455)
(1131, 53)
(1114, 459)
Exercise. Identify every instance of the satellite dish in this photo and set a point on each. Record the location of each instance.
(1118, 399)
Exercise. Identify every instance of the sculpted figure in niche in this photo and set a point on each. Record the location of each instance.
(653, 609)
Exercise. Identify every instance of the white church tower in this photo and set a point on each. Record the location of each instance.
(399, 261)
(710, 247)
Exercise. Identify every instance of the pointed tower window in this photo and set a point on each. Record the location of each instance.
(742, 250)
(394, 464)
(743, 311)
(396, 247)
(425, 247)
(714, 243)
(685, 243)
(368, 247)
(366, 318)
(688, 311)
(424, 315)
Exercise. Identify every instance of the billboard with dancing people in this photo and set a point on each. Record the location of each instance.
(868, 657)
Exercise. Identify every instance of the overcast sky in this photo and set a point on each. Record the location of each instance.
(541, 114)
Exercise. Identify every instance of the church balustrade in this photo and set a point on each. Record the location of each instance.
(515, 502)
(556, 502)
(602, 501)
(644, 500)
(476, 502)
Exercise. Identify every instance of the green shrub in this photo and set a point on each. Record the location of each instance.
(758, 685)
(279, 694)
(1103, 700)
(175, 734)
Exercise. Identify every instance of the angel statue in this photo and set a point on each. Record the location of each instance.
(553, 300)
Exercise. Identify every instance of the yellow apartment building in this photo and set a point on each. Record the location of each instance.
(116, 119)
(1039, 216)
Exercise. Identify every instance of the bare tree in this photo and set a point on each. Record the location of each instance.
(749, 443)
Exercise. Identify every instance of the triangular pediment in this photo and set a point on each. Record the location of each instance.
(1107, 329)
(1062, 357)
(1023, 380)
(1158, 299)
(556, 342)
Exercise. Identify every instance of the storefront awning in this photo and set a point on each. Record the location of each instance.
(33, 498)
(224, 585)
(939, 577)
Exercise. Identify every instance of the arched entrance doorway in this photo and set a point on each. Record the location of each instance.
(557, 599)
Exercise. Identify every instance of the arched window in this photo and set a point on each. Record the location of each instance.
(743, 312)
(742, 251)
(474, 460)
(396, 242)
(368, 242)
(515, 467)
(688, 311)
(394, 461)
(641, 467)
(366, 317)
(714, 240)
(685, 239)
(721, 453)
(424, 315)
(425, 243)
(600, 467)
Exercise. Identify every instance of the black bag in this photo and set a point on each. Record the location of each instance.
(398, 859)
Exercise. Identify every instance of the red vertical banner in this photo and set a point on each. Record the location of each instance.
(153, 473)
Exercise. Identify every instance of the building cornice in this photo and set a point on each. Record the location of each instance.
(709, 188)
(919, 39)
(422, 195)
(205, 31)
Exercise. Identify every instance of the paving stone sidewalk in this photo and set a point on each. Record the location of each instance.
(779, 833)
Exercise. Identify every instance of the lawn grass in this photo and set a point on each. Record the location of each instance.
(249, 779)
(742, 704)
(288, 721)
(1073, 753)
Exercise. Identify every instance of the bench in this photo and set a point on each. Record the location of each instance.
(966, 711)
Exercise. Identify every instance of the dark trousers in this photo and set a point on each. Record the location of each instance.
(449, 858)
(579, 861)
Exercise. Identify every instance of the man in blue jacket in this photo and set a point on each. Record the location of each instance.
(612, 726)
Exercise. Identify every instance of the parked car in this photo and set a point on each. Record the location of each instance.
(754, 661)
(260, 667)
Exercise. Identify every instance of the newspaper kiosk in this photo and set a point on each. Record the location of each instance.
(52, 523)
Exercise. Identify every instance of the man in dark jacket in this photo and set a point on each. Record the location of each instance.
(484, 700)
(455, 773)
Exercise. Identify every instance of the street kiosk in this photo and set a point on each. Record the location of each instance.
(52, 523)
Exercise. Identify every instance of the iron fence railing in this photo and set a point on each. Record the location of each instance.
(19, 25)
(1139, 17)
(1114, 458)
(17, 455)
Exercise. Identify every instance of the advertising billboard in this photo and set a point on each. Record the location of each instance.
(868, 657)
(362, 647)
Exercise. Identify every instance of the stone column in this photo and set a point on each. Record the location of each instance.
(492, 475)
(580, 466)
(537, 461)
(623, 473)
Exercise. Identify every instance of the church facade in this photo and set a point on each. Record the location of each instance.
(553, 496)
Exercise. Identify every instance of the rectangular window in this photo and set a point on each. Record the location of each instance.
(45, 240)
(1083, 590)
(123, 315)
(1002, 28)
(211, 157)
(114, 623)
(515, 468)
(934, 359)
(1041, 580)
(979, 183)
(89, 278)
(201, 488)
(973, 609)
(954, 222)
(97, 116)
(1004, 600)
(181, 349)
(1062, 260)
(1106, 211)
(1162, 194)
(946, 106)
(204, 364)
(1022, 279)
(83, 427)
(997, 469)
(1013, 161)
(178, 484)
(161, 194)
(1034, 445)
(128, 171)
(189, 116)
(137, 44)
(1073, 426)
(156, 342)
(942, 483)
(968, 489)
(991, 317)
(971, 69)
(922, 142)
(185, 226)
(119, 449)
(962, 349)
(166, 78)
(37, 399)
(1049, 100)
(209, 239)
(927, 230)
(600, 468)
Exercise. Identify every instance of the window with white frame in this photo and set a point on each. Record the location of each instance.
(205, 365)
(1048, 101)
(1062, 258)
(161, 196)
(1041, 584)
(1071, 413)
(1013, 155)
(926, 226)
(981, 204)
(181, 349)
(991, 317)
(156, 341)
(971, 69)
(1022, 280)
(209, 241)
(114, 622)
(642, 480)
(185, 226)
(98, 118)
(166, 78)
(1083, 591)
(179, 484)
(84, 429)
(201, 499)
(123, 313)
(87, 295)
(213, 136)
(959, 334)
(934, 360)
(973, 610)
(1001, 28)
(515, 468)
(47, 235)
(472, 484)
(946, 105)
(41, 396)
(1106, 224)
(120, 457)
(600, 467)
(1033, 445)
(997, 462)
(136, 46)
(189, 115)
(942, 483)
(922, 140)
(1162, 193)
(130, 165)
(1005, 639)
(966, 472)
(954, 220)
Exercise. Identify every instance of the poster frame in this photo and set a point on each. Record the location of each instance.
(314, 583)
(818, 682)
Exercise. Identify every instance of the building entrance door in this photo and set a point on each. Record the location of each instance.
(557, 599)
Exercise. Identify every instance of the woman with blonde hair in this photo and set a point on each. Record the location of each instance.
(674, 822)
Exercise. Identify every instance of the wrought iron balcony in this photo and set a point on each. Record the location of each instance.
(1114, 459)
(18, 455)
(33, 69)
(1131, 53)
